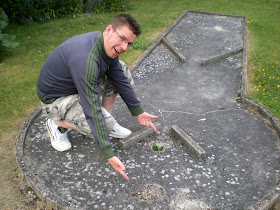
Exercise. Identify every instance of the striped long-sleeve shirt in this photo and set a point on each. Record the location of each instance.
(74, 67)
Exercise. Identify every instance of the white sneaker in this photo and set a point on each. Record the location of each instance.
(59, 140)
(119, 131)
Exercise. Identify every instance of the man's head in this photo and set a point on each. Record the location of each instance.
(125, 19)
(120, 34)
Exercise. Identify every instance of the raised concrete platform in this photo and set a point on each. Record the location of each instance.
(242, 163)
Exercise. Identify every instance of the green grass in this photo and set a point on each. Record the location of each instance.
(266, 82)
(19, 68)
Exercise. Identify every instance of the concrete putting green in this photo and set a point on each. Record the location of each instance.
(225, 157)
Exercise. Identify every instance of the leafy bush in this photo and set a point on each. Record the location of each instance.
(26, 11)
(5, 39)
(102, 6)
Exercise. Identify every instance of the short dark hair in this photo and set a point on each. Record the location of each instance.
(125, 19)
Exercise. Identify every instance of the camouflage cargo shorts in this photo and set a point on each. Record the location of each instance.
(69, 107)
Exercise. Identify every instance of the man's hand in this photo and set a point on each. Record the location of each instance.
(145, 119)
(118, 166)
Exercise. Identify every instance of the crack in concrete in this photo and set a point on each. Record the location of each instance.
(161, 111)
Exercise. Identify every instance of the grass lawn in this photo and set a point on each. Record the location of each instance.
(19, 68)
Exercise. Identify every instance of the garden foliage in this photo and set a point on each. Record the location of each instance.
(26, 11)
(6, 40)
(101, 6)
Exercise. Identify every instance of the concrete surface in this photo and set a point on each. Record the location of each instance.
(188, 142)
(241, 169)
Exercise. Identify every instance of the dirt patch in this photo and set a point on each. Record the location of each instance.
(150, 192)
(181, 201)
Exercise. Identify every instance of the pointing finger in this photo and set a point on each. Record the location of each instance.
(153, 126)
(124, 175)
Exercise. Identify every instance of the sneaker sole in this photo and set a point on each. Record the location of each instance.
(50, 135)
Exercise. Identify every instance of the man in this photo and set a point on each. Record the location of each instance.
(77, 73)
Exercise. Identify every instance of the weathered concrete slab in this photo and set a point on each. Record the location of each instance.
(217, 58)
(241, 169)
(175, 52)
(190, 144)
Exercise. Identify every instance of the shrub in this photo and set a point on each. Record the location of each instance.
(6, 40)
(26, 11)
(102, 6)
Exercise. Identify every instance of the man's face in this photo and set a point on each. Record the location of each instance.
(117, 40)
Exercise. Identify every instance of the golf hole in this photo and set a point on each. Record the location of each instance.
(158, 147)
